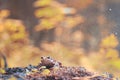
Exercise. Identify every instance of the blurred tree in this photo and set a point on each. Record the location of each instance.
(79, 4)
(24, 10)
(49, 16)
(3, 61)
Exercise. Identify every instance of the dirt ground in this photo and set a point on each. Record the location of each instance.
(50, 69)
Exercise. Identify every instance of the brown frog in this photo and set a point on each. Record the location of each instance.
(49, 62)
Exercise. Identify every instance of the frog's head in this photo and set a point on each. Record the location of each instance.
(43, 58)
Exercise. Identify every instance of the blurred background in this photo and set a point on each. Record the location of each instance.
(75, 32)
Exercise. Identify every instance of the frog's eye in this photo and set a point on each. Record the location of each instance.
(48, 57)
(42, 57)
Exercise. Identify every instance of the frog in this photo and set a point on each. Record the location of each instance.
(49, 62)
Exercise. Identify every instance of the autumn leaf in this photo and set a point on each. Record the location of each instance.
(110, 41)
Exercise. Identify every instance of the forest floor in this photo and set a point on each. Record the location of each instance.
(50, 69)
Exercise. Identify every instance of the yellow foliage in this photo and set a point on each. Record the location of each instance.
(13, 25)
(47, 12)
(14, 42)
(46, 23)
(112, 53)
(109, 55)
(39, 3)
(115, 63)
(4, 13)
(110, 41)
(73, 21)
(50, 14)
(12, 30)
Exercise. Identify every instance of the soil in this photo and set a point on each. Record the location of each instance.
(50, 69)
